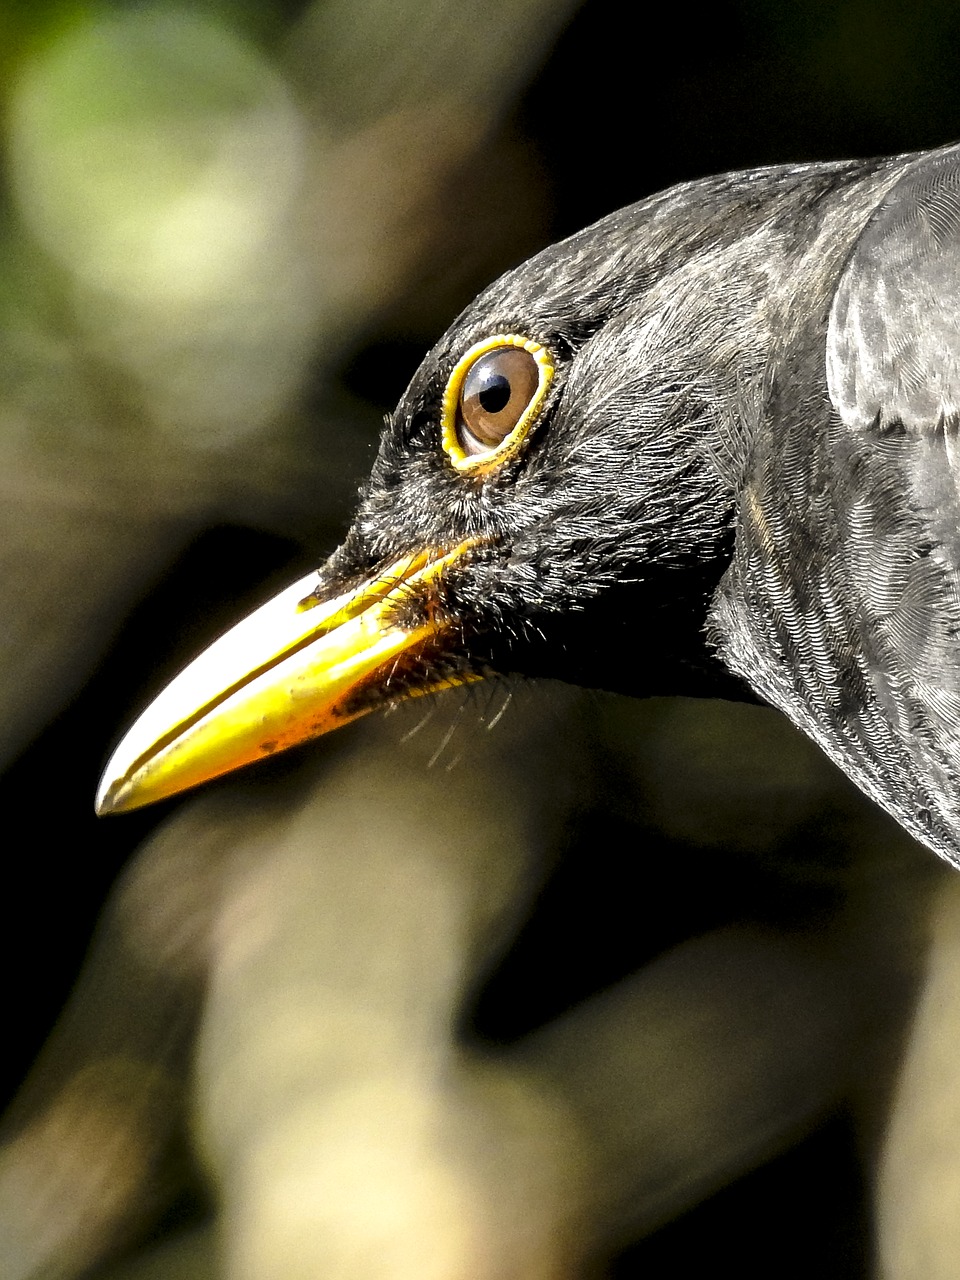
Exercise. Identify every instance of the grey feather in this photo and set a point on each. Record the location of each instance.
(746, 475)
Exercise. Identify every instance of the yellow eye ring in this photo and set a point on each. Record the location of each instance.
(468, 453)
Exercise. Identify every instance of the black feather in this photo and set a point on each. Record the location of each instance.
(746, 479)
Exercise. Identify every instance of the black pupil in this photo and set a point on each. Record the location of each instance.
(496, 394)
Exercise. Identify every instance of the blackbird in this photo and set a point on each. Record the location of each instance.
(706, 446)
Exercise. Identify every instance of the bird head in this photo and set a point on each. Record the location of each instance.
(554, 495)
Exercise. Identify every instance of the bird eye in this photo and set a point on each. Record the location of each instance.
(492, 399)
(494, 396)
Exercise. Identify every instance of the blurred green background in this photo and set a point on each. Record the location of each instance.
(228, 233)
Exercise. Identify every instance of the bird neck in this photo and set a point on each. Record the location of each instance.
(644, 637)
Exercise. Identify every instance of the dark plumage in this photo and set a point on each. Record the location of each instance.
(743, 480)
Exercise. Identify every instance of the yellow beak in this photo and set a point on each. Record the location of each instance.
(291, 671)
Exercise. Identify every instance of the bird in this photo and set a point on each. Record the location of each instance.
(707, 446)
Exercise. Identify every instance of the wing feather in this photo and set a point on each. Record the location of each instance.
(842, 603)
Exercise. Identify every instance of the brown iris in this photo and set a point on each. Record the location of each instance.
(492, 399)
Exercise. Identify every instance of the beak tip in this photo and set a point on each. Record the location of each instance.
(110, 795)
(103, 804)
